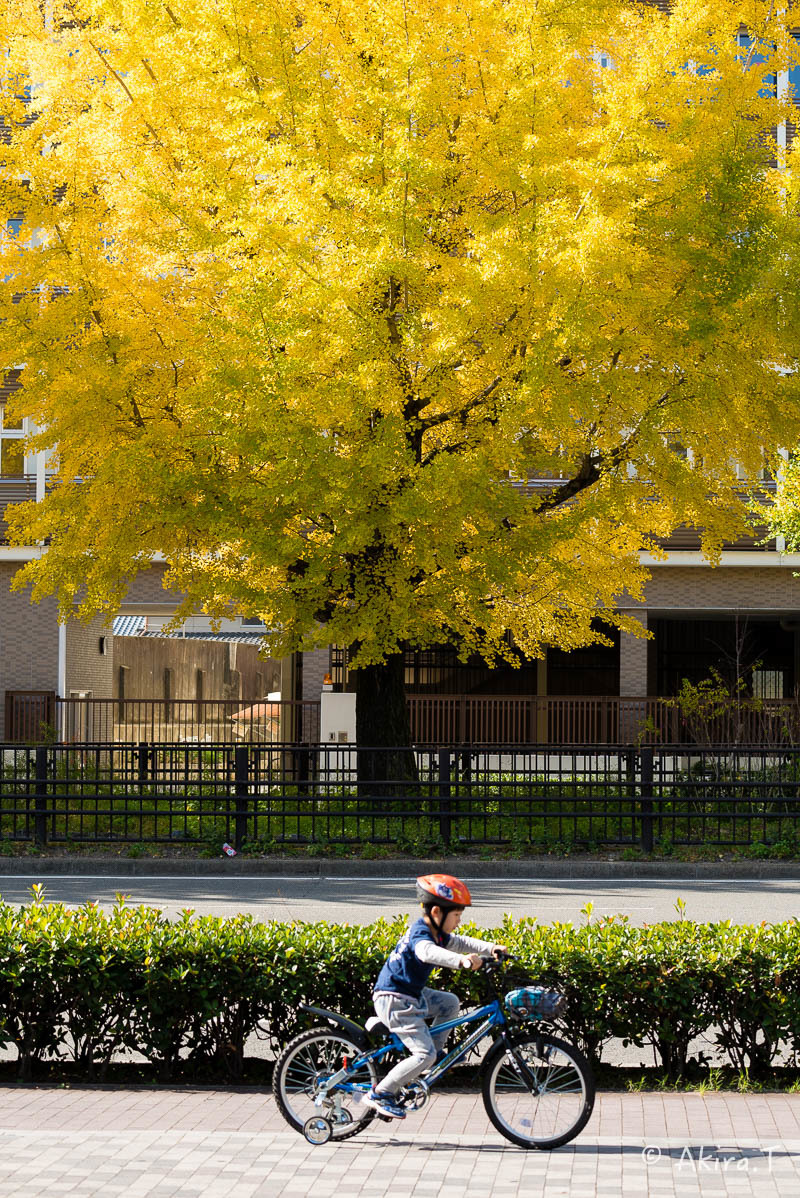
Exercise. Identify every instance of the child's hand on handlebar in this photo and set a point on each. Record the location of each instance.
(472, 961)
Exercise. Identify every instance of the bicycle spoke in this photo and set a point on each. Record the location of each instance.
(549, 1105)
(305, 1065)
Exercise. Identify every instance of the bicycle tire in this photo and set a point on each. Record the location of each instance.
(303, 1060)
(562, 1107)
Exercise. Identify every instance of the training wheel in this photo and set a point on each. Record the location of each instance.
(342, 1117)
(317, 1130)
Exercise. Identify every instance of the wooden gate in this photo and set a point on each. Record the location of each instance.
(30, 717)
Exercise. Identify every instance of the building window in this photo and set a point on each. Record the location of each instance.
(752, 57)
(767, 684)
(794, 78)
(677, 447)
(7, 388)
(12, 457)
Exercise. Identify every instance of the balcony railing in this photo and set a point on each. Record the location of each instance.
(14, 490)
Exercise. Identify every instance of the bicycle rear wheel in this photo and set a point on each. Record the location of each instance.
(562, 1098)
(305, 1063)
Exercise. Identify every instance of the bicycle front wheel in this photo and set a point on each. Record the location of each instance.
(305, 1065)
(550, 1105)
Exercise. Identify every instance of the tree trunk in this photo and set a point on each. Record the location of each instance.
(386, 762)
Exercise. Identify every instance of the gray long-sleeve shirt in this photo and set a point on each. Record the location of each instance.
(452, 957)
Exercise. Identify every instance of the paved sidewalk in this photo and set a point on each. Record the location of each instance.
(180, 1143)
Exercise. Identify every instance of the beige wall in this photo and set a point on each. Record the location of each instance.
(87, 667)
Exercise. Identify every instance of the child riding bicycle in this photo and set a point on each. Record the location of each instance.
(402, 1000)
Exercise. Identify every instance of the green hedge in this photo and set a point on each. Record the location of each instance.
(81, 985)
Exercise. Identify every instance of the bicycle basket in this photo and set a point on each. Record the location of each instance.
(536, 1002)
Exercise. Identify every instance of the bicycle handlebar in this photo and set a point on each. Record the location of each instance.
(498, 959)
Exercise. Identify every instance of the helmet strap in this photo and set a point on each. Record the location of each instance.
(438, 927)
(427, 909)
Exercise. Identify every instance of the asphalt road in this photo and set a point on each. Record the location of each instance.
(362, 900)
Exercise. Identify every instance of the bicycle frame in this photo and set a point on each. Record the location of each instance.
(491, 1014)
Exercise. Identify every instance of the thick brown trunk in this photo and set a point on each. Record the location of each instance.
(386, 762)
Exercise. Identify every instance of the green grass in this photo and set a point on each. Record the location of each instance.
(781, 1079)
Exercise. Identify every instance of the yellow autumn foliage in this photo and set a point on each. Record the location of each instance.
(301, 288)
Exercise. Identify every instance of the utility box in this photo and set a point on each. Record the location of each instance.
(337, 718)
(337, 761)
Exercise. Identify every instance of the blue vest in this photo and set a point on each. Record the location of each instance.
(404, 973)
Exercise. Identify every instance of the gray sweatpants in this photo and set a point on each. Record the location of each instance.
(406, 1017)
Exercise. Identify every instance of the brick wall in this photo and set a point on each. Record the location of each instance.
(316, 665)
(724, 588)
(147, 588)
(28, 641)
(633, 662)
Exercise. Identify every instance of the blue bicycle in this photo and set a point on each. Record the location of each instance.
(538, 1090)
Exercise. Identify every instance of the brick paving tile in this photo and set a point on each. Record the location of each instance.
(181, 1143)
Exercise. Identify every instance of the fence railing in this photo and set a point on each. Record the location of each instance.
(274, 797)
(598, 720)
(40, 716)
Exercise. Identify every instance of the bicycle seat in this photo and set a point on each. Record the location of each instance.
(376, 1026)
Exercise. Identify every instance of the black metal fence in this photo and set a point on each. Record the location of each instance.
(275, 797)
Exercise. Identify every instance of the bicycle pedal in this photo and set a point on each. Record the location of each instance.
(386, 1118)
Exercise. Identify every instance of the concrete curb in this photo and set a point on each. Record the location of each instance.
(401, 867)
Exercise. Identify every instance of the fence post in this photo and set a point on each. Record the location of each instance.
(142, 764)
(241, 775)
(40, 797)
(646, 798)
(445, 808)
(302, 772)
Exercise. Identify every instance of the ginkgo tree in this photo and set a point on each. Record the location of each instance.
(303, 292)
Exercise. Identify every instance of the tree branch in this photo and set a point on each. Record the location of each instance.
(593, 465)
(127, 92)
(459, 413)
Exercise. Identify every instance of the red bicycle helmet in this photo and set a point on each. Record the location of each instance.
(444, 891)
